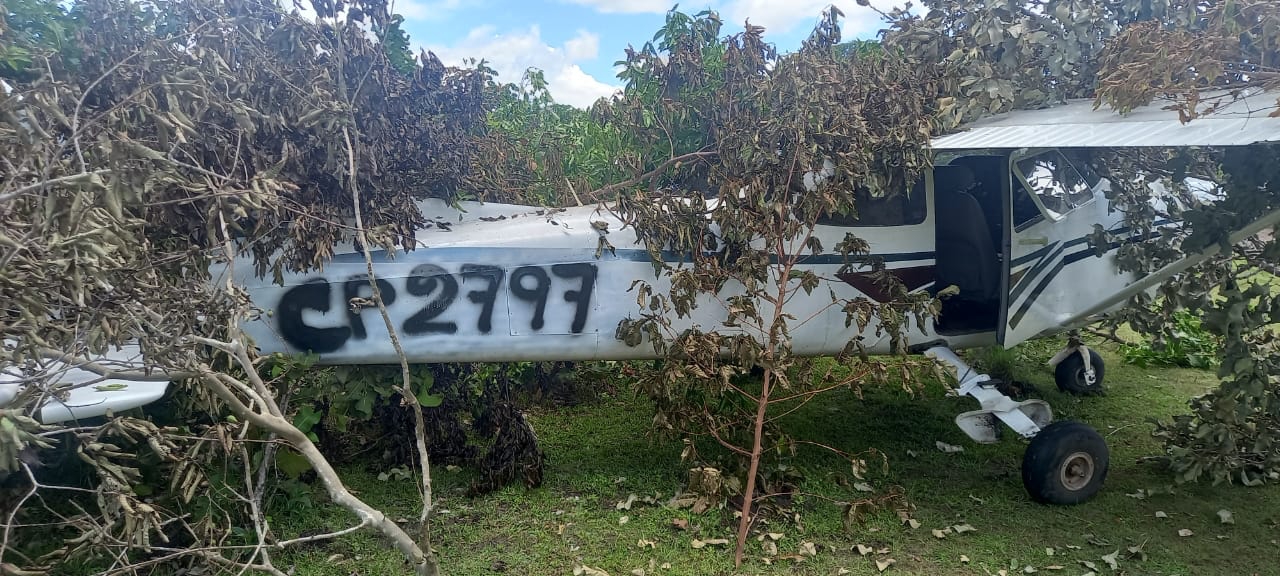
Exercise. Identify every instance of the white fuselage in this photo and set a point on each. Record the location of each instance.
(523, 287)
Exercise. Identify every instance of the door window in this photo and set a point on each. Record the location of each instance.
(1057, 186)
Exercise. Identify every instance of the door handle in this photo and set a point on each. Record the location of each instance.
(1041, 240)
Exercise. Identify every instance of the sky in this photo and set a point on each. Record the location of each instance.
(577, 42)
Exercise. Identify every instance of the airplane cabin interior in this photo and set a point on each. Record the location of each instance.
(969, 227)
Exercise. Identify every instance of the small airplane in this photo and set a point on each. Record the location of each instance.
(1003, 217)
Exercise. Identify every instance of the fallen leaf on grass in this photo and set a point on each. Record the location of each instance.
(842, 572)
(625, 504)
(712, 542)
(769, 547)
(650, 544)
(623, 520)
(1135, 552)
(1054, 567)
(863, 550)
(1225, 517)
(1029, 569)
(1161, 514)
(913, 523)
(679, 523)
(962, 528)
(964, 559)
(808, 549)
(775, 536)
(1110, 559)
(863, 487)
(666, 566)
(948, 448)
(940, 534)
(1048, 551)
(581, 570)
(638, 572)
(884, 550)
(1185, 532)
(1089, 565)
(883, 565)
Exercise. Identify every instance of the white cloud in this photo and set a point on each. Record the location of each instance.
(781, 17)
(584, 46)
(512, 53)
(424, 10)
(627, 6)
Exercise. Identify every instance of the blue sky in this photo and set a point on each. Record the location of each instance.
(576, 42)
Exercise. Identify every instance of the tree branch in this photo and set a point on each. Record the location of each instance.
(51, 181)
(610, 189)
(406, 389)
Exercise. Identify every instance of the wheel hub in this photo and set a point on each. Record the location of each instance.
(1090, 377)
(1076, 471)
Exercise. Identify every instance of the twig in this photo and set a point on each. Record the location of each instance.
(1106, 335)
(363, 523)
(406, 390)
(41, 184)
(8, 525)
(572, 191)
(106, 372)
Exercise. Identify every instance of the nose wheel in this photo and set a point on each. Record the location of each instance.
(1066, 463)
(1077, 369)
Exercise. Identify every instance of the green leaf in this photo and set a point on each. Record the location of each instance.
(307, 418)
(428, 400)
(291, 463)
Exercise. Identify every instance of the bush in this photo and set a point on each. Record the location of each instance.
(1188, 345)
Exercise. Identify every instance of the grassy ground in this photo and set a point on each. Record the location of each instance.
(600, 453)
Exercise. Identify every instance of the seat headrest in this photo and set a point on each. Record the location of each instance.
(953, 179)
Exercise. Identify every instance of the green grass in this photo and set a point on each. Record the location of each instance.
(600, 453)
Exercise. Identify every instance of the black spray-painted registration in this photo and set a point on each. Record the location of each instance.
(436, 289)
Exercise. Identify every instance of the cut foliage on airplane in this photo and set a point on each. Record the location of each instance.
(998, 230)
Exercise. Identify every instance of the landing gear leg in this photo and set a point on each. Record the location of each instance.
(1077, 369)
(1066, 462)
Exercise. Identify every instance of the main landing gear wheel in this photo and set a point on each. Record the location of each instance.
(1066, 463)
(1072, 377)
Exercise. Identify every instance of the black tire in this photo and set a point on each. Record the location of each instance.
(1065, 464)
(1070, 376)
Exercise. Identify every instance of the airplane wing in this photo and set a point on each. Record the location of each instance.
(1251, 118)
(85, 394)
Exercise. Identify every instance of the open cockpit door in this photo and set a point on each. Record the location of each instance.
(1055, 278)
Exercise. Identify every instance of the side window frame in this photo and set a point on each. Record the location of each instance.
(910, 217)
(1030, 189)
(1020, 188)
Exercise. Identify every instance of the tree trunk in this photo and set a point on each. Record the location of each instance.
(748, 496)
